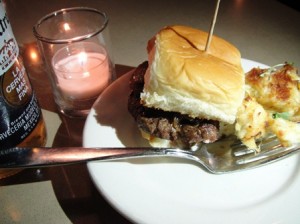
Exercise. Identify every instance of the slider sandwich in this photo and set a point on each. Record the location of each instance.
(183, 95)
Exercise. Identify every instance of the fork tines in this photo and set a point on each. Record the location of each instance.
(268, 147)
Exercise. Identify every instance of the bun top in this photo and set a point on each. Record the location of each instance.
(183, 78)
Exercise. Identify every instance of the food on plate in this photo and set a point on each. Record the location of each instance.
(277, 89)
(251, 122)
(271, 106)
(182, 94)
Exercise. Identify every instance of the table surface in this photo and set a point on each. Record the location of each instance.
(265, 31)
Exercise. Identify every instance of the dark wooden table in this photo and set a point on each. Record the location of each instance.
(74, 189)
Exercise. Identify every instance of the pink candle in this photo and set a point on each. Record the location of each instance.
(83, 75)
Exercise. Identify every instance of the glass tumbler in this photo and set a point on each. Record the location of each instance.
(76, 49)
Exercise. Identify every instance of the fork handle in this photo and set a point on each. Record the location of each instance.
(27, 157)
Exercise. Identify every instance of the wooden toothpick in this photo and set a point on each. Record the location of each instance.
(212, 26)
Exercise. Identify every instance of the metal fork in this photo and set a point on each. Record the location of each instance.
(225, 156)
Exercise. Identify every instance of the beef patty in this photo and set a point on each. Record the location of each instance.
(178, 128)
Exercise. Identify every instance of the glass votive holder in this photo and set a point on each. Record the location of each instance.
(75, 46)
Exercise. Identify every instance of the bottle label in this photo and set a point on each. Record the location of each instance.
(9, 49)
(19, 110)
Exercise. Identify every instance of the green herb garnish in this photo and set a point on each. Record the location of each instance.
(283, 115)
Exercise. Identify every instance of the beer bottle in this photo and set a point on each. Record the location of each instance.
(21, 121)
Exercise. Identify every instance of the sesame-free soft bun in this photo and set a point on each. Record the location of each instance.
(182, 77)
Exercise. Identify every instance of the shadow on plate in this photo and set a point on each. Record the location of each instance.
(111, 111)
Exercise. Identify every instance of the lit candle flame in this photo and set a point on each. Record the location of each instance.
(67, 26)
(82, 58)
(33, 55)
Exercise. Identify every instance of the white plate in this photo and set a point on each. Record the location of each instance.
(177, 191)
